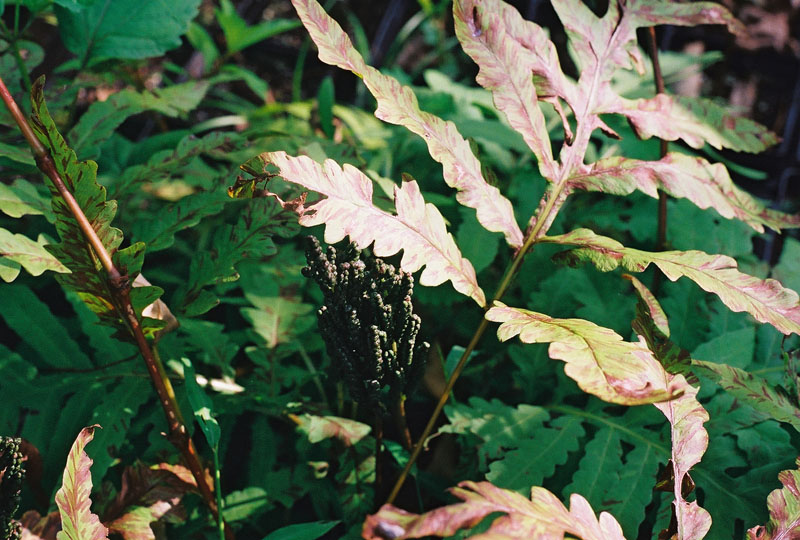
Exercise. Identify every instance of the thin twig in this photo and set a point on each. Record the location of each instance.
(401, 420)
(120, 287)
(661, 241)
(379, 466)
(314, 374)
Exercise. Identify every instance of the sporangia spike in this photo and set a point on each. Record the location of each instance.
(367, 321)
(11, 475)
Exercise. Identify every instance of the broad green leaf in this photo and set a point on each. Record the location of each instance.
(629, 498)
(696, 121)
(87, 277)
(159, 233)
(125, 29)
(724, 496)
(20, 154)
(397, 104)
(735, 348)
(752, 390)
(209, 342)
(74, 504)
(201, 404)
(498, 425)
(166, 163)
(505, 70)
(535, 458)
(765, 299)
(543, 516)
(418, 228)
(302, 531)
(319, 428)
(35, 324)
(21, 198)
(477, 244)
(244, 504)
(705, 184)
(596, 358)
(599, 469)
(689, 227)
(326, 98)
(250, 238)
(31, 255)
(103, 117)
(202, 41)
(624, 489)
(239, 36)
(784, 510)
(278, 319)
(116, 411)
(787, 271)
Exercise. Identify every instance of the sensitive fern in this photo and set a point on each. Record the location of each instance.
(519, 66)
(367, 321)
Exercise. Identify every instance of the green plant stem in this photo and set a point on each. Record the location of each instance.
(535, 231)
(314, 374)
(218, 492)
(120, 287)
(378, 450)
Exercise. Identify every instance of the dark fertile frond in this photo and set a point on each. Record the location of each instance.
(11, 475)
(367, 321)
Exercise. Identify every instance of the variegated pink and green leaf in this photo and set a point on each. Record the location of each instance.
(784, 510)
(655, 12)
(597, 358)
(752, 390)
(418, 228)
(73, 498)
(397, 104)
(505, 70)
(548, 78)
(319, 428)
(543, 517)
(696, 121)
(765, 299)
(685, 414)
(649, 310)
(707, 185)
(650, 323)
(604, 44)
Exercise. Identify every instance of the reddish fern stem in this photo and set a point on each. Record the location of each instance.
(120, 290)
(662, 197)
